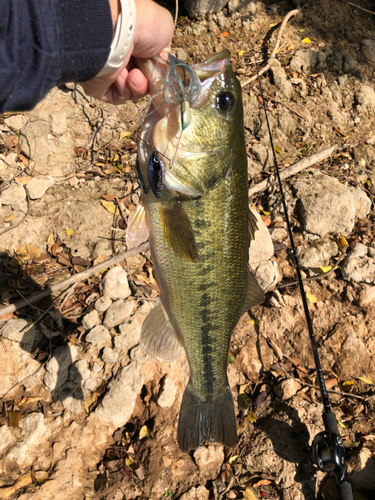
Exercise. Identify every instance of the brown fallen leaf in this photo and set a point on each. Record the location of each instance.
(21, 482)
(262, 482)
(14, 418)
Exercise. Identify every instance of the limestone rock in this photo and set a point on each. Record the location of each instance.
(109, 355)
(367, 296)
(261, 248)
(79, 371)
(102, 304)
(13, 194)
(129, 336)
(34, 137)
(58, 366)
(98, 336)
(115, 284)
(368, 50)
(318, 253)
(353, 356)
(39, 185)
(323, 205)
(167, 394)
(119, 312)
(196, 493)
(262, 155)
(209, 460)
(267, 274)
(304, 61)
(58, 123)
(365, 97)
(7, 437)
(280, 80)
(73, 405)
(33, 432)
(243, 6)
(287, 388)
(91, 319)
(119, 400)
(361, 469)
(361, 201)
(15, 329)
(197, 8)
(15, 122)
(359, 266)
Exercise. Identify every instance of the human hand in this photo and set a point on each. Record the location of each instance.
(153, 35)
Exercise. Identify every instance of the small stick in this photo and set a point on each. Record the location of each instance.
(293, 169)
(282, 103)
(275, 49)
(74, 279)
(23, 218)
(361, 8)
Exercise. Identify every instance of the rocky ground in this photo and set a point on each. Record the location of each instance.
(84, 413)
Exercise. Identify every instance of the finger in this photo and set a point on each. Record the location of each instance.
(137, 84)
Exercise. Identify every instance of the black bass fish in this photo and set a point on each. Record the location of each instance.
(195, 207)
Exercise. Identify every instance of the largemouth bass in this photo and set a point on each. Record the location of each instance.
(193, 170)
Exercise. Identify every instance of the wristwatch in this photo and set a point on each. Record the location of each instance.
(122, 38)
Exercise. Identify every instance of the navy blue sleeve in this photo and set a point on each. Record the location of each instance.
(45, 42)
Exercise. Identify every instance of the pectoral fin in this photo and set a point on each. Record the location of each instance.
(158, 337)
(137, 231)
(254, 294)
(177, 231)
(253, 226)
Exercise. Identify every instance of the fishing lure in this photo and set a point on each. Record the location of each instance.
(155, 171)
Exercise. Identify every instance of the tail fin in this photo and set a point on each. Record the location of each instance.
(201, 421)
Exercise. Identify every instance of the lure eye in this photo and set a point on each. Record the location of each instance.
(224, 101)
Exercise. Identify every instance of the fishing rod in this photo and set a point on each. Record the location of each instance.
(327, 452)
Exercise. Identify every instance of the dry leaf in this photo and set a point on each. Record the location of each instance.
(7, 316)
(301, 30)
(21, 482)
(233, 459)
(262, 482)
(125, 134)
(110, 207)
(24, 180)
(331, 382)
(241, 52)
(224, 34)
(143, 432)
(277, 150)
(325, 269)
(348, 382)
(251, 417)
(306, 40)
(254, 321)
(41, 476)
(249, 495)
(9, 218)
(109, 197)
(365, 380)
(131, 463)
(242, 388)
(70, 232)
(311, 298)
(14, 418)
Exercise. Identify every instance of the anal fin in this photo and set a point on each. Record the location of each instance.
(177, 231)
(158, 337)
(254, 293)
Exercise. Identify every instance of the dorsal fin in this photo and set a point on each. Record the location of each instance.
(253, 225)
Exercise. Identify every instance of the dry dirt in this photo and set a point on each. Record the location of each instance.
(270, 344)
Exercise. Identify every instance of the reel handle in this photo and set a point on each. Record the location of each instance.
(345, 491)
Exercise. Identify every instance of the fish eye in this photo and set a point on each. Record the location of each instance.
(224, 101)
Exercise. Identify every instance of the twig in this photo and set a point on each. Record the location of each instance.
(275, 49)
(282, 103)
(293, 169)
(74, 279)
(360, 8)
(176, 14)
(112, 233)
(13, 226)
(320, 276)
